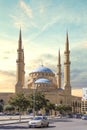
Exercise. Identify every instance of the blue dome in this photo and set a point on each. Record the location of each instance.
(60, 89)
(42, 69)
(42, 80)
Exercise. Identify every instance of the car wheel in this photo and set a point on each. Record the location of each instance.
(29, 126)
(47, 124)
(41, 125)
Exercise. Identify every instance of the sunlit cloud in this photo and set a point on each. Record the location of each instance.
(77, 92)
(8, 85)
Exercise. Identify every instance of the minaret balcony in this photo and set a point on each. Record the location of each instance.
(66, 52)
(19, 50)
(67, 63)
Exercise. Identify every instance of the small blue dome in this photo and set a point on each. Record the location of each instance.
(60, 89)
(42, 80)
(42, 69)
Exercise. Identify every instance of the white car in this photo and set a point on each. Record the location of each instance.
(38, 121)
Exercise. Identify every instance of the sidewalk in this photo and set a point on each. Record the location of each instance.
(13, 119)
(24, 118)
(12, 122)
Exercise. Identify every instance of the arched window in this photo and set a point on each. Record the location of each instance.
(61, 102)
(1, 101)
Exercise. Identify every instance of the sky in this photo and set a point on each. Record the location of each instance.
(44, 24)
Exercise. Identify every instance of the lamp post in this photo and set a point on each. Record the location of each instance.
(34, 94)
(34, 102)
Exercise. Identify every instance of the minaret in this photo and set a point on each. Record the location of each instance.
(20, 65)
(59, 71)
(67, 85)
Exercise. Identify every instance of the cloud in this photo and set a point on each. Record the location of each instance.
(79, 82)
(7, 54)
(18, 21)
(84, 44)
(43, 59)
(26, 8)
(40, 23)
(7, 81)
(78, 66)
(7, 73)
(77, 92)
(42, 9)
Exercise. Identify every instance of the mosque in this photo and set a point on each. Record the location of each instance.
(43, 79)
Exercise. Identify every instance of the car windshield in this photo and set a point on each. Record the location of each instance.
(37, 118)
(85, 115)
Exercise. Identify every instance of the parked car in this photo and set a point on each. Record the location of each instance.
(78, 115)
(84, 117)
(59, 116)
(38, 121)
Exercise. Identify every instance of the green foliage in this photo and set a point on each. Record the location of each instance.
(1, 108)
(1, 105)
(1, 102)
(9, 108)
(64, 108)
(19, 101)
(39, 100)
(50, 105)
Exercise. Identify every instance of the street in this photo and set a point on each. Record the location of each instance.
(59, 124)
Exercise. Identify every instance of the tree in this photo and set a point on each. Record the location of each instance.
(39, 101)
(49, 107)
(9, 108)
(1, 105)
(1, 108)
(64, 109)
(1, 101)
(20, 102)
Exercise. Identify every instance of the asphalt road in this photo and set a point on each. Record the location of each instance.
(59, 124)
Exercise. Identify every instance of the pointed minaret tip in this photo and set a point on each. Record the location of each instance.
(20, 35)
(67, 36)
(59, 70)
(20, 40)
(67, 42)
(59, 55)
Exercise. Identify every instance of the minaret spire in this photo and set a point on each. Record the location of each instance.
(20, 65)
(59, 70)
(59, 59)
(20, 40)
(67, 42)
(67, 85)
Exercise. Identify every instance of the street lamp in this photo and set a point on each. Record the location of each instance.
(34, 94)
(34, 102)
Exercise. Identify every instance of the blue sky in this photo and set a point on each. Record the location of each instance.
(44, 25)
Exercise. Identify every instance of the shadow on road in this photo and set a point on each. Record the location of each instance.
(13, 127)
(61, 120)
(5, 127)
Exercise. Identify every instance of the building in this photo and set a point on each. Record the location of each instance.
(45, 80)
(84, 101)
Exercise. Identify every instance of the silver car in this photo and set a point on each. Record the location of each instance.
(84, 117)
(38, 121)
